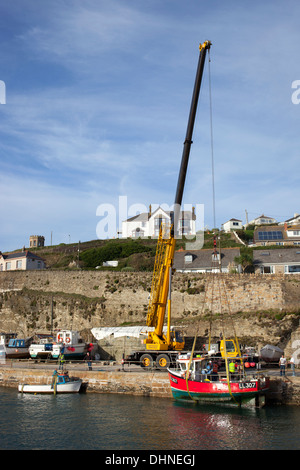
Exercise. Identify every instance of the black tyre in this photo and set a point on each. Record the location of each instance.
(163, 362)
(146, 361)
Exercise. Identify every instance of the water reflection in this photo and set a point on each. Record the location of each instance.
(112, 422)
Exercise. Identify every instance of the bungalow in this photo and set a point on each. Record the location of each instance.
(24, 260)
(262, 220)
(205, 261)
(281, 260)
(232, 224)
(148, 224)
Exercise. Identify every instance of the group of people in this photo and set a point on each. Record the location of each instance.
(283, 364)
(212, 368)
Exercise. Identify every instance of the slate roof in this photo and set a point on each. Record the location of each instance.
(276, 228)
(21, 254)
(276, 256)
(145, 216)
(202, 259)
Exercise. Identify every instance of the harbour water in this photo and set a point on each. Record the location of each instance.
(93, 421)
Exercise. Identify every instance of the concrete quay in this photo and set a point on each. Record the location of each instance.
(133, 380)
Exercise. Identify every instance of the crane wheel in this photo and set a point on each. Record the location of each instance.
(163, 362)
(146, 361)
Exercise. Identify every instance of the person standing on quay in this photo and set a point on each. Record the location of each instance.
(282, 364)
(292, 362)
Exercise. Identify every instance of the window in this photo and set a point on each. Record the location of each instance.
(267, 269)
(270, 235)
(8, 266)
(19, 264)
(292, 269)
(230, 346)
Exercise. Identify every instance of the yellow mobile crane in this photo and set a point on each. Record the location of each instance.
(163, 348)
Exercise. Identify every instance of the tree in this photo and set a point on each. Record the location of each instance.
(245, 260)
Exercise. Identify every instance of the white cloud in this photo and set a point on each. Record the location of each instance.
(98, 96)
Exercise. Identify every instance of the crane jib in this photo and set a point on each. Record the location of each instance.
(189, 133)
(161, 288)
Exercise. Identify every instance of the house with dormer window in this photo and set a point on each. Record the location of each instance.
(207, 260)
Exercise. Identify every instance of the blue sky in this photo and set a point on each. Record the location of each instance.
(97, 101)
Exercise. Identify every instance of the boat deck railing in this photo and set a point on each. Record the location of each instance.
(221, 376)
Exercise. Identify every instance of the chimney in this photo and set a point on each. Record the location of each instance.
(150, 211)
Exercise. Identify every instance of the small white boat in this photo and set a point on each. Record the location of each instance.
(61, 383)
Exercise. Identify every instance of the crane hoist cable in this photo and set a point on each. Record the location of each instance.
(211, 140)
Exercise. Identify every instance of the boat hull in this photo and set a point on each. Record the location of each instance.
(70, 387)
(72, 351)
(17, 353)
(240, 392)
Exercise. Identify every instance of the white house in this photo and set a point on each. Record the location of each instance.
(293, 234)
(263, 219)
(148, 224)
(292, 221)
(232, 224)
(24, 260)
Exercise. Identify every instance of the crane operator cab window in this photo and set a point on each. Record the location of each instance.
(178, 337)
(230, 347)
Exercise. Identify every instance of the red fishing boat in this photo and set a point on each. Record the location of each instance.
(197, 380)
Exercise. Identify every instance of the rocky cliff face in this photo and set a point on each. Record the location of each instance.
(265, 309)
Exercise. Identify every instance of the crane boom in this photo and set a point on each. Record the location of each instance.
(167, 238)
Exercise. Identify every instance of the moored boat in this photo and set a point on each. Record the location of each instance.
(4, 340)
(18, 348)
(67, 342)
(61, 383)
(70, 344)
(270, 353)
(42, 346)
(190, 382)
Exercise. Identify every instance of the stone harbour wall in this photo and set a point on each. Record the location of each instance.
(150, 384)
(81, 300)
